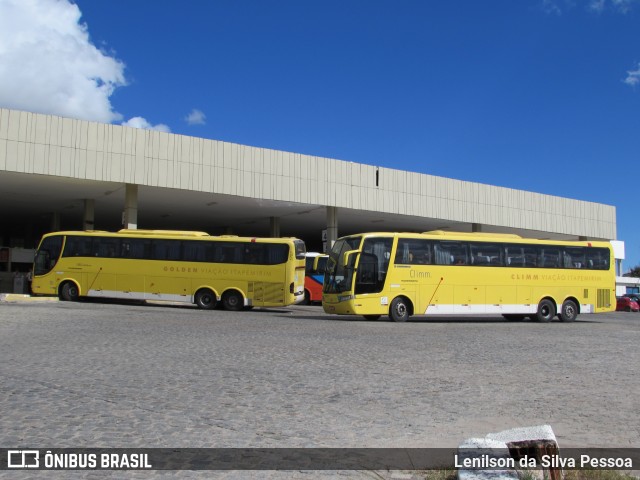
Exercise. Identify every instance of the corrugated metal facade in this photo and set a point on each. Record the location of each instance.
(49, 145)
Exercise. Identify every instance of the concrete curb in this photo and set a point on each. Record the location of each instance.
(20, 298)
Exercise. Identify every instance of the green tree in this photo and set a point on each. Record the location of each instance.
(634, 272)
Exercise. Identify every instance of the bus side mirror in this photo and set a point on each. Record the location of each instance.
(349, 257)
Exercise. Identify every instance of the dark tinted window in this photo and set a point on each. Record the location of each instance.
(597, 258)
(521, 256)
(486, 254)
(413, 251)
(450, 253)
(138, 248)
(301, 249)
(322, 264)
(77, 246)
(47, 255)
(549, 257)
(165, 249)
(107, 247)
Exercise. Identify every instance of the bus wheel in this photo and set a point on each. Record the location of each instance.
(307, 298)
(206, 299)
(399, 310)
(569, 311)
(233, 301)
(546, 311)
(69, 292)
(372, 317)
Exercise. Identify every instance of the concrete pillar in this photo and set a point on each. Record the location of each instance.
(88, 218)
(332, 226)
(130, 214)
(274, 227)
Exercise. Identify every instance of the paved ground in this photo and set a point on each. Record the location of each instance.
(114, 375)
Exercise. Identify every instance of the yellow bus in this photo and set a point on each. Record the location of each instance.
(190, 267)
(448, 273)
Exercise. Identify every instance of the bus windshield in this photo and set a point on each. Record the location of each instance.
(337, 275)
(47, 255)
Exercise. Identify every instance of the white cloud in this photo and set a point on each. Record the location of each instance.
(196, 117)
(550, 7)
(139, 122)
(49, 65)
(633, 77)
(622, 6)
(558, 7)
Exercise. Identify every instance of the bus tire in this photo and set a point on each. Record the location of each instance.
(307, 298)
(206, 299)
(546, 311)
(233, 301)
(69, 292)
(399, 310)
(569, 311)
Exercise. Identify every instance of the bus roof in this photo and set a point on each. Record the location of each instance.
(179, 233)
(171, 234)
(471, 234)
(479, 236)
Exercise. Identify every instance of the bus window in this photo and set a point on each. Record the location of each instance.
(165, 250)
(77, 246)
(486, 254)
(138, 248)
(521, 256)
(380, 248)
(308, 265)
(549, 257)
(300, 249)
(450, 253)
(194, 251)
(367, 274)
(322, 264)
(413, 251)
(107, 247)
(597, 258)
(574, 257)
(47, 256)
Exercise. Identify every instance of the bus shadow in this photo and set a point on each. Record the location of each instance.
(432, 320)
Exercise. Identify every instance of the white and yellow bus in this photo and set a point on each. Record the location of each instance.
(447, 273)
(190, 267)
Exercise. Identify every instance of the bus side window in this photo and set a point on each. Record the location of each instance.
(442, 255)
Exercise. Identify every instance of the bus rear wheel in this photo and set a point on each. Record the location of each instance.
(307, 298)
(206, 299)
(233, 301)
(569, 311)
(546, 311)
(69, 292)
(399, 310)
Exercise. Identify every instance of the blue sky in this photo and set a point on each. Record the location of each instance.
(538, 95)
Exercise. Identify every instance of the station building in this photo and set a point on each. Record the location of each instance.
(66, 174)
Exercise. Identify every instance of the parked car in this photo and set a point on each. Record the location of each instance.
(633, 296)
(625, 304)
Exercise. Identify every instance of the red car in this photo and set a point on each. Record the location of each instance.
(626, 304)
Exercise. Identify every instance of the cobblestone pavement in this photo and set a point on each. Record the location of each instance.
(116, 375)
